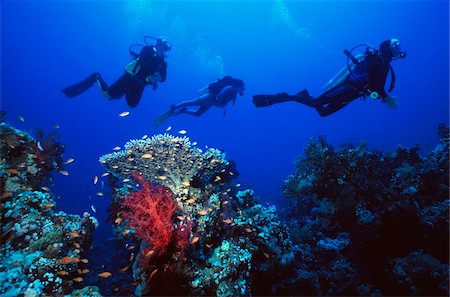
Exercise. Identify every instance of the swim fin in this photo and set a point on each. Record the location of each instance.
(80, 87)
(267, 100)
(162, 118)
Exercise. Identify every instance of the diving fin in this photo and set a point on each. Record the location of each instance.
(80, 87)
(162, 118)
(267, 100)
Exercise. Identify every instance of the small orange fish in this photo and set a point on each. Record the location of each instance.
(12, 171)
(125, 268)
(225, 202)
(131, 257)
(190, 201)
(95, 180)
(77, 245)
(105, 174)
(149, 253)
(62, 272)
(182, 131)
(181, 218)
(266, 255)
(118, 220)
(66, 260)
(228, 221)
(85, 261)
(45, 189)
(105, 274)
(78, 279)
(63, 172)
(126, 231)
(153, 273)
(84, 271)
(100, 194)
(74, 234)
(116, 148)
(209, 245)
(146, 156)
(124, 114)
(49, 205)
(202, 212)
(195, 239)
(6, 195)
(248, 230)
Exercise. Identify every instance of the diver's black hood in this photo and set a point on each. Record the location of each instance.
(385, 49)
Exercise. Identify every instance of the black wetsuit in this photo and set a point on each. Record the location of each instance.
(369, 75)
(132, 86)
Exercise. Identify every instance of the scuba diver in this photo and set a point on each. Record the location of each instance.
(364, 75)
(218, 94)
(147, 68)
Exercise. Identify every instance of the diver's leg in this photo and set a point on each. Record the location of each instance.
(330, 103)
(196, 113)
(326, 110)
(206, 99)
(116, 90)
(133, 93)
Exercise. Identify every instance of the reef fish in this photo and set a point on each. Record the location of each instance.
(105, 274)
(124, 114)
(70, 160)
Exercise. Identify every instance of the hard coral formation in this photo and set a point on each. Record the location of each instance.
(367, 222)
(41, 247)
(165, 159)
(230, 241)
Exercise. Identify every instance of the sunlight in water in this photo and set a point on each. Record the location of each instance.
(281, 16)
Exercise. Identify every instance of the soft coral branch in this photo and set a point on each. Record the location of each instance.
(151, 212)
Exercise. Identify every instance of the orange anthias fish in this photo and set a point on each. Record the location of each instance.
(74, 234)
(67, 259)
(105, 274)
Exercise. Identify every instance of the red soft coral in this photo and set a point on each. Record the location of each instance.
(151, 211)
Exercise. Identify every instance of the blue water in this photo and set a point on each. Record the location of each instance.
(273, 46)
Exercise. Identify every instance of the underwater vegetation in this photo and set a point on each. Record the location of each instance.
(41, 248)
(370, 223)
(358, 222)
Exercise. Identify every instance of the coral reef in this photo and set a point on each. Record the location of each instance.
(369, 223)
(41, 248)
(222, 240)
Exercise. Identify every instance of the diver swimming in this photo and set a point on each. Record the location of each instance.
(147, 68)
(364, 75)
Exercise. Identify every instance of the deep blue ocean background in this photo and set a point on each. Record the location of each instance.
(273, 46)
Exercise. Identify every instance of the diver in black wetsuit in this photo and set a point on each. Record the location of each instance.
(366, 74)
(147, 68)
(218, 94)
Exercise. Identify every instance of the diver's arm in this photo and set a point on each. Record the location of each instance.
(227, 94)
(342, 74)
(163, 71)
